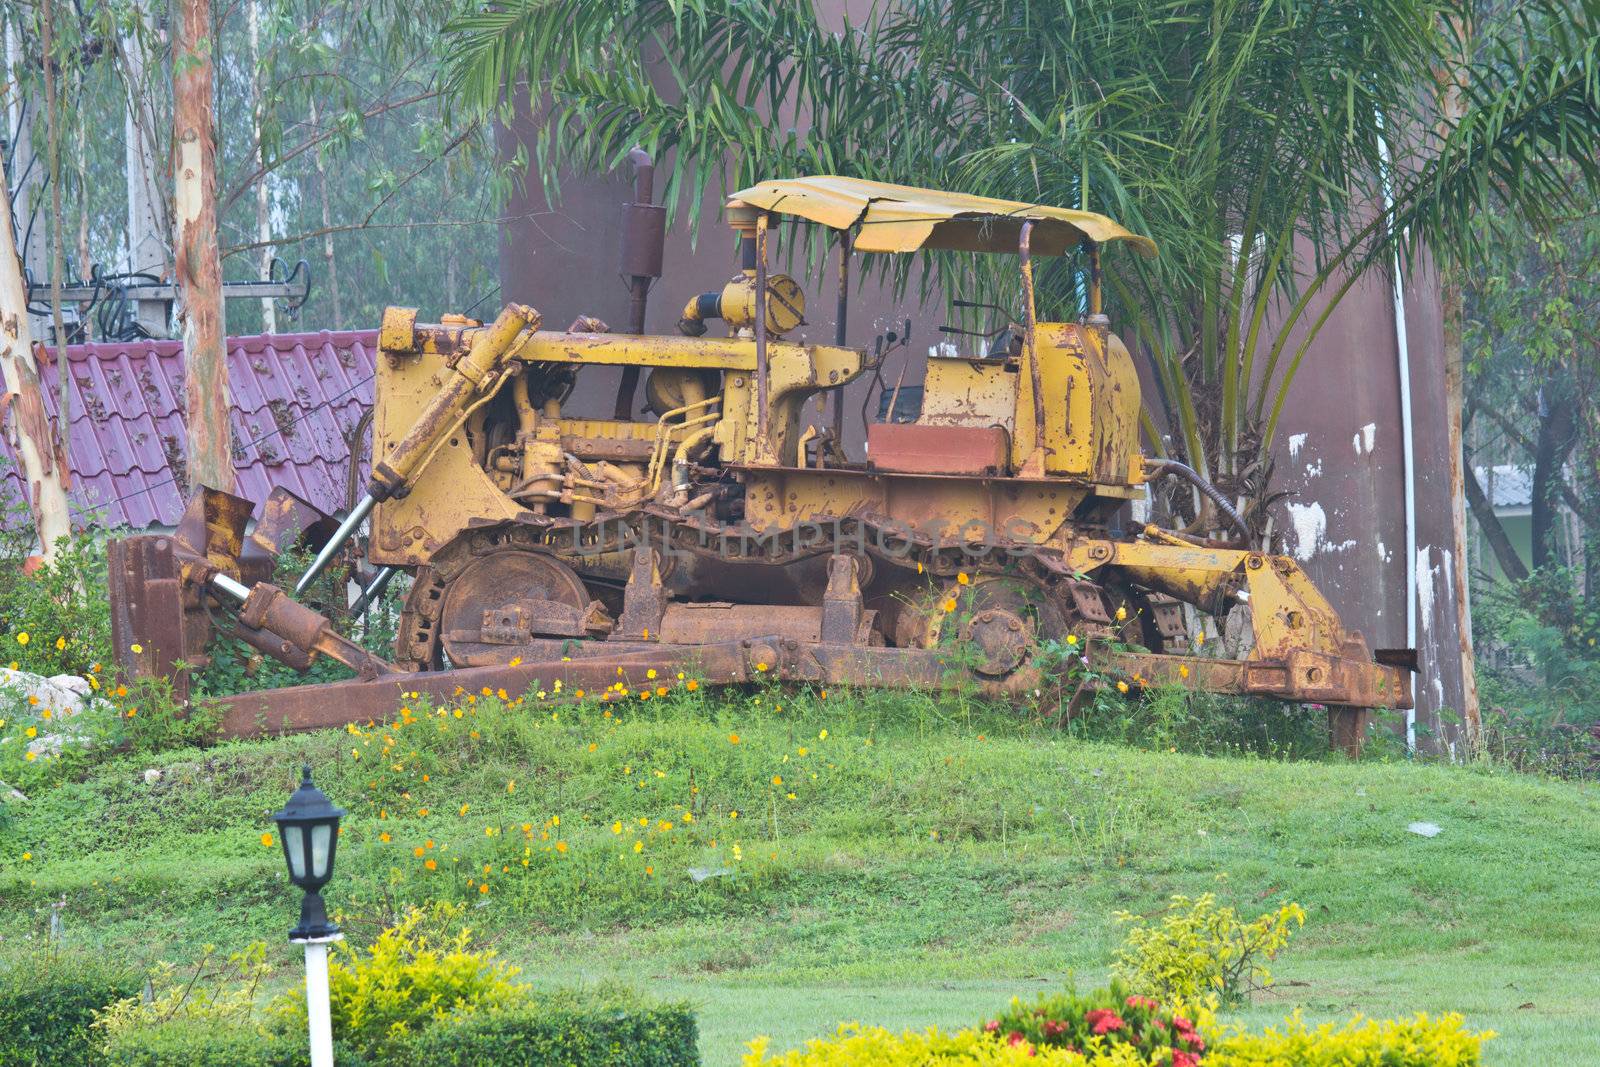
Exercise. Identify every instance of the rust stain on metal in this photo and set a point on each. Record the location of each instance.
(962, 551)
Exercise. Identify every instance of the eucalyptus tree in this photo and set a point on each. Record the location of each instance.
(1255, 140)
(332, 109)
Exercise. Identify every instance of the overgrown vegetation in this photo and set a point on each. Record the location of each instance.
(942, 854)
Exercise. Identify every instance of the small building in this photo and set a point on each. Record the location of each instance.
(297, 400)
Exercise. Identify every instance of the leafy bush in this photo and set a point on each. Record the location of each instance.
(196, 1043)
(48, 1003)
(56, 620)
(209, 994)
(1197, 948)
(414, 976)
(1417, 1042)
(873, 1046)
(1101, 1022)
(604, 1029)
(1538, 645)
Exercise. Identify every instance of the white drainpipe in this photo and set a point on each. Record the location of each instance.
(1403, 354)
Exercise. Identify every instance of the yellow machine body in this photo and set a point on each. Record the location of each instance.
(995, 515)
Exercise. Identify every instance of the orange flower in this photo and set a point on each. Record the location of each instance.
(691, 685)
(430, 864)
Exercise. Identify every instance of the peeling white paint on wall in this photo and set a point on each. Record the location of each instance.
(1313, 470)
(1384, 555)
(1310, 524)
(1297, 441)
(1362, 441)
(1425, 578)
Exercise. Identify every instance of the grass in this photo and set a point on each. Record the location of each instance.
(934, 860)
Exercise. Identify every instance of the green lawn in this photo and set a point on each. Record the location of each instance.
(933, 861)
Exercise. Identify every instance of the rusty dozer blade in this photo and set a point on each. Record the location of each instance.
(162, 586)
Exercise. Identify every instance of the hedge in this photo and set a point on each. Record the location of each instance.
(203, 1043)
(562, 1030)
(559, 1030)
(47, 1004)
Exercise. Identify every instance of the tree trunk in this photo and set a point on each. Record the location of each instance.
(148, 212)
(1453, 308)
(1504, 553)
(198, 259)
(52, 118)
(327, 235)
(269, 306)
(1551, 449)
(42, 467)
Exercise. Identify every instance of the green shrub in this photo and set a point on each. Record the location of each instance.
(56, 620)
(48, 1003)
(417, 974)
(216, 991)
(1102, 1020)
(873, 1046)
(1197, 948)
(198, 1043)
(563, 1030)
(1417, 1042)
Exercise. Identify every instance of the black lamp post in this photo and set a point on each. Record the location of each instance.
(309, 827)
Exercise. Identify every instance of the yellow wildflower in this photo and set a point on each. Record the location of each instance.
(266, 840)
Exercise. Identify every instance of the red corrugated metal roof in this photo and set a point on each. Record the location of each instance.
(295, 400)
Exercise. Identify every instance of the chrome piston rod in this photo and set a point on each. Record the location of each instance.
(346, 530)
(373, 591)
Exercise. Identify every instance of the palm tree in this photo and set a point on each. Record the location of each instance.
(1252, 139)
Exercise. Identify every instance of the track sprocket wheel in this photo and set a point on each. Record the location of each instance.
(992, 625)
(482, 592)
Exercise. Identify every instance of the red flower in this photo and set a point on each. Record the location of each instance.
(1136, 1001)
(1184, 1059)
(1182, 1024)
(1103, 1020)
(1014, 1038)
(992, 1025)
(1053, 1027)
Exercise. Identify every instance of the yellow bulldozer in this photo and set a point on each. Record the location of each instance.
(984, 539)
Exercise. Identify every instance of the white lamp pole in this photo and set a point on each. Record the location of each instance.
(317, 1014)
(309, 826)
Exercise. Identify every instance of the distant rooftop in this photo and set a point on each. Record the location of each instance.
(1510, 485)
(295, 398)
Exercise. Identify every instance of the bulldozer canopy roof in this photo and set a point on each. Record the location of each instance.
(902, 218)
